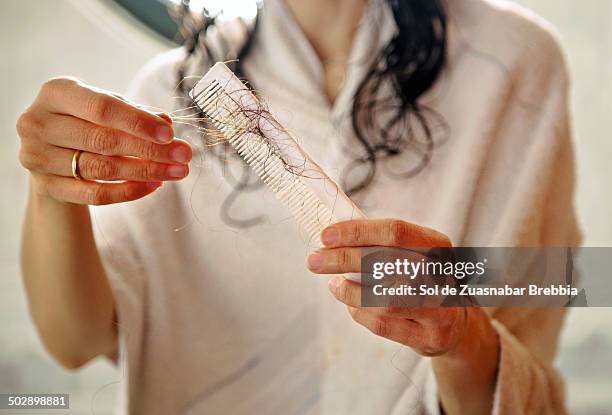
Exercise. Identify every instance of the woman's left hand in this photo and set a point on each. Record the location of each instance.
(429, 331)
(453, 334)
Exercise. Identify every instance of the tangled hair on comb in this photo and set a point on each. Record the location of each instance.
(386, 111)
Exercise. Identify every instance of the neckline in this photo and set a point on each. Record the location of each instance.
(375, 28)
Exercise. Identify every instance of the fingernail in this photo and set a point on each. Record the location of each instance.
(165, 116)
(315, 261)
(177, 171)
(153, 185)
(164, 134)
(180, 155)
(330, 236)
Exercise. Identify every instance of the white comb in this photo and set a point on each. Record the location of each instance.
(313, 198)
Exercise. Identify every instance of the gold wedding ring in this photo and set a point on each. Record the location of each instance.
(75, 164)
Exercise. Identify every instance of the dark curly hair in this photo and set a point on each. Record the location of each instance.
(383, 122)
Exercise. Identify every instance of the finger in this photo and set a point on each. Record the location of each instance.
(162, 114)
(426, 339)
(122, 98)
(58, 161)
(335, 261)
(403, 331)
(382, 232)
(74, 133)
(349, 293)
(96, 167)
(165, 116)
(345, 291)
(87, 192)
(396, 310)
(72, 97)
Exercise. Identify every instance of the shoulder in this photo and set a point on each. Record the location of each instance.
(515, 36)
(502, 18)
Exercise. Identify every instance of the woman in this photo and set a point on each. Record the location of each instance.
(440, 115)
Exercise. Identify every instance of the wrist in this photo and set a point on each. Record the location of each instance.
(41, 198)
(466, 375)
(478, 338)
(46, 208)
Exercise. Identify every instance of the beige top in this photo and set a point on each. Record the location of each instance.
(220, 320)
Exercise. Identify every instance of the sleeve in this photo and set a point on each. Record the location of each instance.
(528, 382)
(116, 227)
(119, 254)
(536, 209)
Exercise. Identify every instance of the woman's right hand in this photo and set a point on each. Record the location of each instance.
(127, 152)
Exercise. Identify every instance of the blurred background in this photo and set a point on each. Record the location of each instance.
(105, 42)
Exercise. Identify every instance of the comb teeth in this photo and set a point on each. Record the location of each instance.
(311, 214)
(262, 154)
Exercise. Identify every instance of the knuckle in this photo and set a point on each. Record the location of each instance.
(397, 232)
(22, 124)
(354, 232)
(348, 259)
(102, 141)
(148, 171)
(97, 195)
(148, 151)
(49, 85)
(343, 258)
(343, 291)
(156, 171)
(130, 193)
(29, 127)
(57, 83)
(102, 107)
(31, 159)
(135, 123)
(100, 168)
(53, 88)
